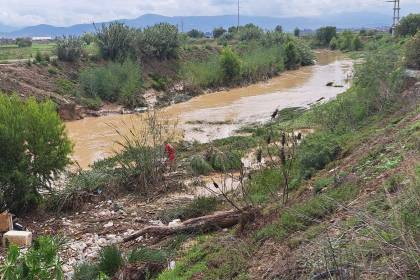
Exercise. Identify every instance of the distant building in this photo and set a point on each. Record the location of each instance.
(41, 38)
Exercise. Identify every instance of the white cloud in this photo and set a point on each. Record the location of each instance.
(67, 12)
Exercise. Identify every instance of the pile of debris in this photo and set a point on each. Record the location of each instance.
(12, 232)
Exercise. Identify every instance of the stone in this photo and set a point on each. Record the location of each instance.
(20, 238)
(175, 223)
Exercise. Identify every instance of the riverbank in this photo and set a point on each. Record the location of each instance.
(217, 115)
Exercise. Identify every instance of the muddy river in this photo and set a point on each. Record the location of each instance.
(218, 115)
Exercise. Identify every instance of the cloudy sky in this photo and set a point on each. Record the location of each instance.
(68, 12)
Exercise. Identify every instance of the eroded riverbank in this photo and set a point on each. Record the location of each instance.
(218, 115)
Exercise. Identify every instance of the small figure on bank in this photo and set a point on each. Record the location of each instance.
(170, 150)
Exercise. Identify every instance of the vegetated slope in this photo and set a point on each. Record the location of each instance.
(356, 215)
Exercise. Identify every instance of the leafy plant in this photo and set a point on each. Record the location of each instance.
(409, 25)
(230, 64)
(69, 48)
(34, 149)
(110, 260)
(40, 262)
(114, 40)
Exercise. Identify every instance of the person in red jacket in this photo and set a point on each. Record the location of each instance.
(170, 150)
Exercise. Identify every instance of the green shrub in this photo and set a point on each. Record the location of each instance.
(409, 25)
(145, 254)
(412, 52)
(34, 148)
(86, 271)
(114, 41)
(261, 62)
(324, 35)
(292, 59)
(250, 32)
(194, 33)
(316, 151)
(296, 32)
(160, 41)
(41, 261)
(198, 207)
(263, 185)
(114, 82)
(230, 65)
(224, 161)
(200, 166)
(356, 44)
(23, 42)
(38, 57)
(203, 74)
(334, 43)
(110, 260)
(69, 48)
(218, 32)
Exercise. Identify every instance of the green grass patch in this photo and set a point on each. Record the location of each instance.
(300, 216)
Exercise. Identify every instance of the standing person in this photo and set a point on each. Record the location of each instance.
(170, 150)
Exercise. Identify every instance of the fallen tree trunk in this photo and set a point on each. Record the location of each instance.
(207, 223)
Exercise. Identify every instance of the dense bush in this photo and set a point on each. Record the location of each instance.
(409, 25)
(224, 161)
(114, 82)
(325, 34)
(230, 64)
(114, 40)
(23, 42)
(200, 166)
(86, 271)
(296, 32)
(316, 151)
(412, 52)
(41, 261)
(261, 62)
(34, 148)
(202, 74)
(194, 33)
(219, 31)
(69, 48)
(110, 260)
(292, 58)
(250, 32)
(160, 41)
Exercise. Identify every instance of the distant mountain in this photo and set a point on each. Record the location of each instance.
(207, 23)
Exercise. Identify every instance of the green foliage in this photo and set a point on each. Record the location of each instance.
(316, 151)
(212, 259)
(263, 185)
(34, 148)
(198, 207)
(114, 82)
(160, 41)
(356, 44)
(334, 43)
(412, 52)
(23, 42)
(279, 29)
(40, 262)
(87, 38)
(250, 32)
(230, 65)
(296, 32)
(38, 57)
(218, 32)
(302, 215)
(69, 48)
(65, 87)
(409, 25)
(114, 41)
(194, 33)
(86, 271)
(224, 161)
(261, 62)
(200, 166)
(324, 35)
(202, 74)
(292, 58)
(381, 73)
(110, 260)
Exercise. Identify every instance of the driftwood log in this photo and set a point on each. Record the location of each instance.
(207, 223)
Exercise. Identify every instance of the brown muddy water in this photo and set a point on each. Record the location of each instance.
(218, 115)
